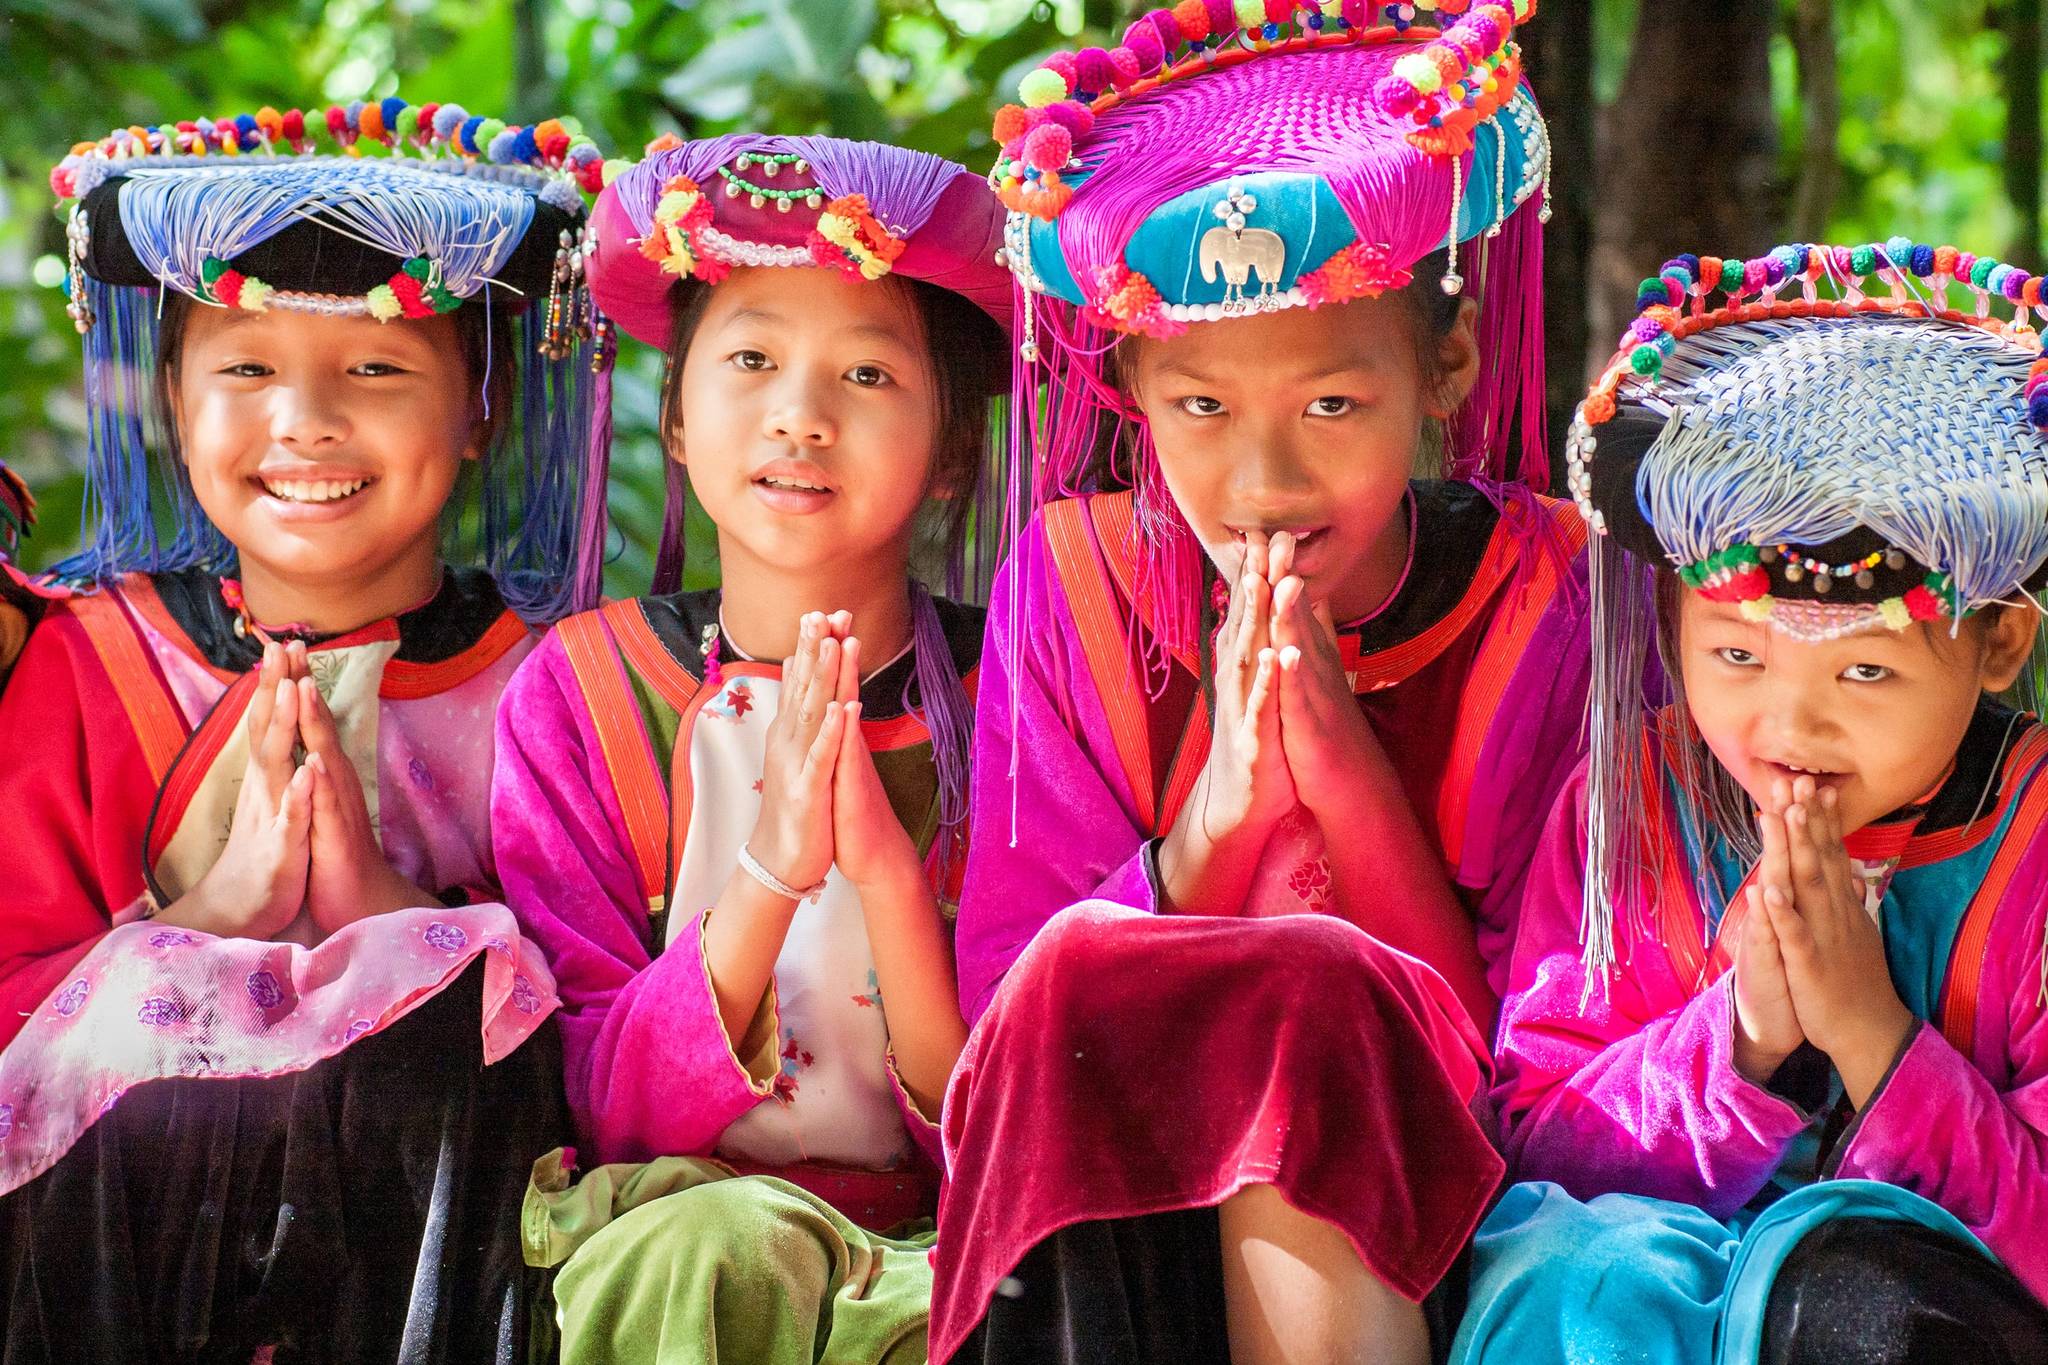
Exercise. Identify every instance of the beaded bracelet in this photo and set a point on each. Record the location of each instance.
(751, 865)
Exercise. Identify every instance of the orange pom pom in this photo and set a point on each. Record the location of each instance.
(1599, 407)
(667, 142)
(371, 122)
(548, 128)
(1193, 18)
(1012, 122)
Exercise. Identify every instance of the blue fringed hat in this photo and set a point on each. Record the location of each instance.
(1848, 439)
(386, 210)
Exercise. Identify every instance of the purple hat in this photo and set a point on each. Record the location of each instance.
(697, 209)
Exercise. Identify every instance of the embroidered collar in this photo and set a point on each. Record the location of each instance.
(453, 621)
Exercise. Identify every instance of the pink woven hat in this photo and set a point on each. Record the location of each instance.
(1233, 157)
(697, 209)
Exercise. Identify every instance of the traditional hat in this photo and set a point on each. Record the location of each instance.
(1835, 464)
(386, 210)
(1234, 157)
(697, 209)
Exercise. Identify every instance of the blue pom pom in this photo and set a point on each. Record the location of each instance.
(354, 111)
(1689, 261)
(526, 147)
(1995, 282)
(501, 146)
(2037, 408)
(1922, 263)
(447, 119)
(469, 127)
(1899, 249)
(391, 105)
(246, 122)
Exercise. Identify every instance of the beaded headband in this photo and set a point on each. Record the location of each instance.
(385, 210)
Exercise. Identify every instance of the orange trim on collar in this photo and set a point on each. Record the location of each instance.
(404, 681)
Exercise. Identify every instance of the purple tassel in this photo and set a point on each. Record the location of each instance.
(668, 560)
(948, 715)
(590, 536)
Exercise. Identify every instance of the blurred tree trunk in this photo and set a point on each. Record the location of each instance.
(1820, 118)
(2020, 21)
(1687, 152)
(1559, 50)
(533, 93)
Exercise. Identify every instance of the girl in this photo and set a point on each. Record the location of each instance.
(1279, 1113)
(244, 1111)
(1798, 1082)
(742, 872)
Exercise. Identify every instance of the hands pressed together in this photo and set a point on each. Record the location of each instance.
(301, 859)
(822, 801)
(1287, 729)
(1809, 959)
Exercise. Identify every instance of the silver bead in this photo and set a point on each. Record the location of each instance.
(1865, 579)
(783, 205)
(816, 201)
(1894, 560)
(1002, 258)
(1543, 214)
(755, 200)
(1028, 353)
(1823, 584)
(1453, 283)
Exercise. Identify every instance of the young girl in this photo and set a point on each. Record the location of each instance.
(244, 1106)
(742, 871)
(1790, 1103)
(1193, 1119)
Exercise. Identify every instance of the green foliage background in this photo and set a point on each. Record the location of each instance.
(1922, 127)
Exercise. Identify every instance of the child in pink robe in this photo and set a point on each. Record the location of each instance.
(1774, 1062)
(1265, 739)
(743, 871)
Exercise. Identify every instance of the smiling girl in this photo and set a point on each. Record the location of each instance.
(1266, 738)
(250, 977)
(1776, 1052)
(743, 870)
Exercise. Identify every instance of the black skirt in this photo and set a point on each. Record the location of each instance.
(365, 1210)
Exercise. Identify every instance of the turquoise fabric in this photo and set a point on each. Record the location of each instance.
(1302, 208)
(1624, 1278)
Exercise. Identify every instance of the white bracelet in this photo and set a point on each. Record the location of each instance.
(751, 865)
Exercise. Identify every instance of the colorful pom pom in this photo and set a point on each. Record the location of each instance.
(1048, 148)
(1041, 87)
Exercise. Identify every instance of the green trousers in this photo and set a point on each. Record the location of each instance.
(680, 1260)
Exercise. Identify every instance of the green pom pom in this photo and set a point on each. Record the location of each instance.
(1251, 13)
(1862, 260)
(1731, 274)
(1981, 271)
(573, 126)
(1647, 361)
(212, 269)
(488, 130)
(1042, 87)
(409, 121)
(419, 268)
